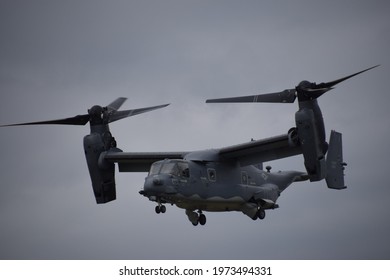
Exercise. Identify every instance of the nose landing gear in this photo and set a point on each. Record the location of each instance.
(160, 208)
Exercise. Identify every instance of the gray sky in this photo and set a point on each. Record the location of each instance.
(58, 58)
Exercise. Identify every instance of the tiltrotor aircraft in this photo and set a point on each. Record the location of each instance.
(226, 179)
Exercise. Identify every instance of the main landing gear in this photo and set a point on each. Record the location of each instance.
(196, 218)
(260, 214)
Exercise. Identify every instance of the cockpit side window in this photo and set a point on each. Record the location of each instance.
(184, 170)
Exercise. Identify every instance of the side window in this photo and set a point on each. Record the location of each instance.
(184, 169)
(212, 174)
(244, 178)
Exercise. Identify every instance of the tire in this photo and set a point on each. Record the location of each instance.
(261, 214)
(202, 219)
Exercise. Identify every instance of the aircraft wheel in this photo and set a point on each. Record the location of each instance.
(157, 209)
(261, 214)
(195, 223)
(202, 219)
(163, 209)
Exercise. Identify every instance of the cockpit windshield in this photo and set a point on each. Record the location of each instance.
(174, 167)
(169, 168)
(155, 168)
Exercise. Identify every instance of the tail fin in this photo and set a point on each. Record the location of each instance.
(334, 162)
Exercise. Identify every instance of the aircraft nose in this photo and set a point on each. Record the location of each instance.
(158, 185)
(153, 183)
(149, 185)
(157, 181)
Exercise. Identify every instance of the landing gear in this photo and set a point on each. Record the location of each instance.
(160, 209)
(196, 218)
(202, 219)
(256, 211)
(261, 213)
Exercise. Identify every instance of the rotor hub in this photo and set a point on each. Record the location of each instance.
(305, 85)
(97, 115)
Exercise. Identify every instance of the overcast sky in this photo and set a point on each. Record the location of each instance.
(58, 58)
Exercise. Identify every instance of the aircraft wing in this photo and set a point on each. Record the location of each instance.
(247, 153)
(262, 150)
(138, 162)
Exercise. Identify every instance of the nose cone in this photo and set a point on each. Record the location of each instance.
(159, 185)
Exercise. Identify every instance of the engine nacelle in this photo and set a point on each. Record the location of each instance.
(102, 177)
(312, 143)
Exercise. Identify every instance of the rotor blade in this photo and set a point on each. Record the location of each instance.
(118, 115)
(77, 120)
(335, 82)
(286, 96)
(116, 104)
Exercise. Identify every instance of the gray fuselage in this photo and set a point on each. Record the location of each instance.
(215, 186)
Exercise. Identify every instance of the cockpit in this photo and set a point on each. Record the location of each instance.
(174, 167)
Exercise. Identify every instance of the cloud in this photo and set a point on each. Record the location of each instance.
(60, 58)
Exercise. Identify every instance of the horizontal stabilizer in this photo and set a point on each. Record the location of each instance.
(334, 162)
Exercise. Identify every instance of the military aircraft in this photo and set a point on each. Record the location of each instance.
(217, 180)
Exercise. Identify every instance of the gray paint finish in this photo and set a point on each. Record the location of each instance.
(58, 58)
